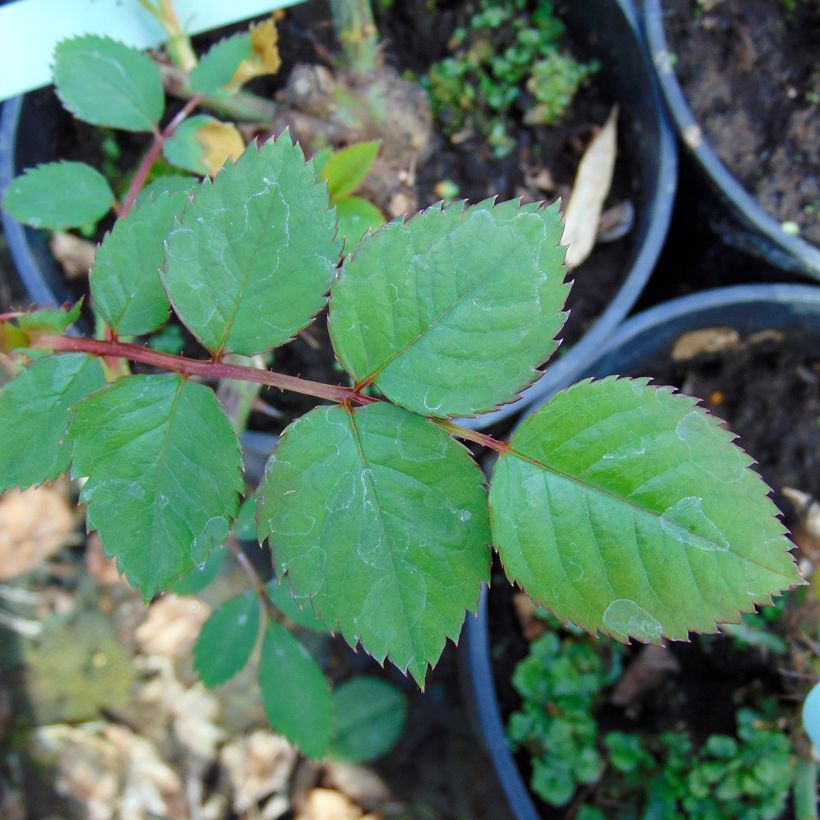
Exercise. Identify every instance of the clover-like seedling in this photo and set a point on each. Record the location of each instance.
(619, 505)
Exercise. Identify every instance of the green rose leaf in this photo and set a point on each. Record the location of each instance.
(105, 82)
(302, 615)
(157, 488)
(167, 183)
(380, 519)
(626, 509)
(254, 256)
(369, 719)
(346, 169)
(59, 195)
(125, 278)
(449, 313)
(227, 639)
(218, 66)
(34, 415)
(295, 693)
(199, 576)
(356, 215)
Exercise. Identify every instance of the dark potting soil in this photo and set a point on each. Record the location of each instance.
(750, 72)
(767, 389)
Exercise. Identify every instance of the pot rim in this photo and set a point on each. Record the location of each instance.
(789, 253)
(477, 664)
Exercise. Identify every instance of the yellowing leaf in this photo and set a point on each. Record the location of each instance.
(219, 140)
(264, 58)
(589, 191)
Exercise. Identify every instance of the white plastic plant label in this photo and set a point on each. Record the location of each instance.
(29, 29)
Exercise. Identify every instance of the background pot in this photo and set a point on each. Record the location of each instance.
(607, 30)
(730, 210)
(641, 345)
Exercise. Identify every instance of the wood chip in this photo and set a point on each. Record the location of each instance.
(75, 255)
(172, 626)
(593, 180)
(34, 525)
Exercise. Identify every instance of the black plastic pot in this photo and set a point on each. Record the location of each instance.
(607, 28)
(730, 210)
(609, 31)
(641, 345)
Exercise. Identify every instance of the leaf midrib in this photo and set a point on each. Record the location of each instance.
(418, 657)
(575, 480)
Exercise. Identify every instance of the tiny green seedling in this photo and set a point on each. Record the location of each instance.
(619, 505)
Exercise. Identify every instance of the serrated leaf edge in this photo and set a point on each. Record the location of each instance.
(715, 421)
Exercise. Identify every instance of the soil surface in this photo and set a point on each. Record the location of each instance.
(750, 73)
(767, 389)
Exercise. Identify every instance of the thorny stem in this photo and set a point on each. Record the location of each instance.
(205, 369)
(219, 370)
(152, 155)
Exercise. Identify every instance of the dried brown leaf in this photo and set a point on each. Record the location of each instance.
(708, 340)
(589, 191)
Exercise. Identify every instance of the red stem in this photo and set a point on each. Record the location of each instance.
(152, 155)
(205, 369)
(218, 370)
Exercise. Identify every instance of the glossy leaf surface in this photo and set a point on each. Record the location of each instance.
(59, 195)
(160, 493)
(105, 82)
(369, 719)
(34, 416)
(251, 263)
(380, 519)
(295, 693)
(627, 509)
(125, 282)
(227, 639)
(449, 313)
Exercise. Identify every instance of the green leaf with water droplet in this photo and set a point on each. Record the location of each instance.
(301, 613)
(448, 314)
(227, 639)
(369, 719)
(105, 82)
(158, 491)
(627, 509)
(34, 415)
(125, 284)
(380, 519)
(254, 256)
(59, 195)
(295, 693)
